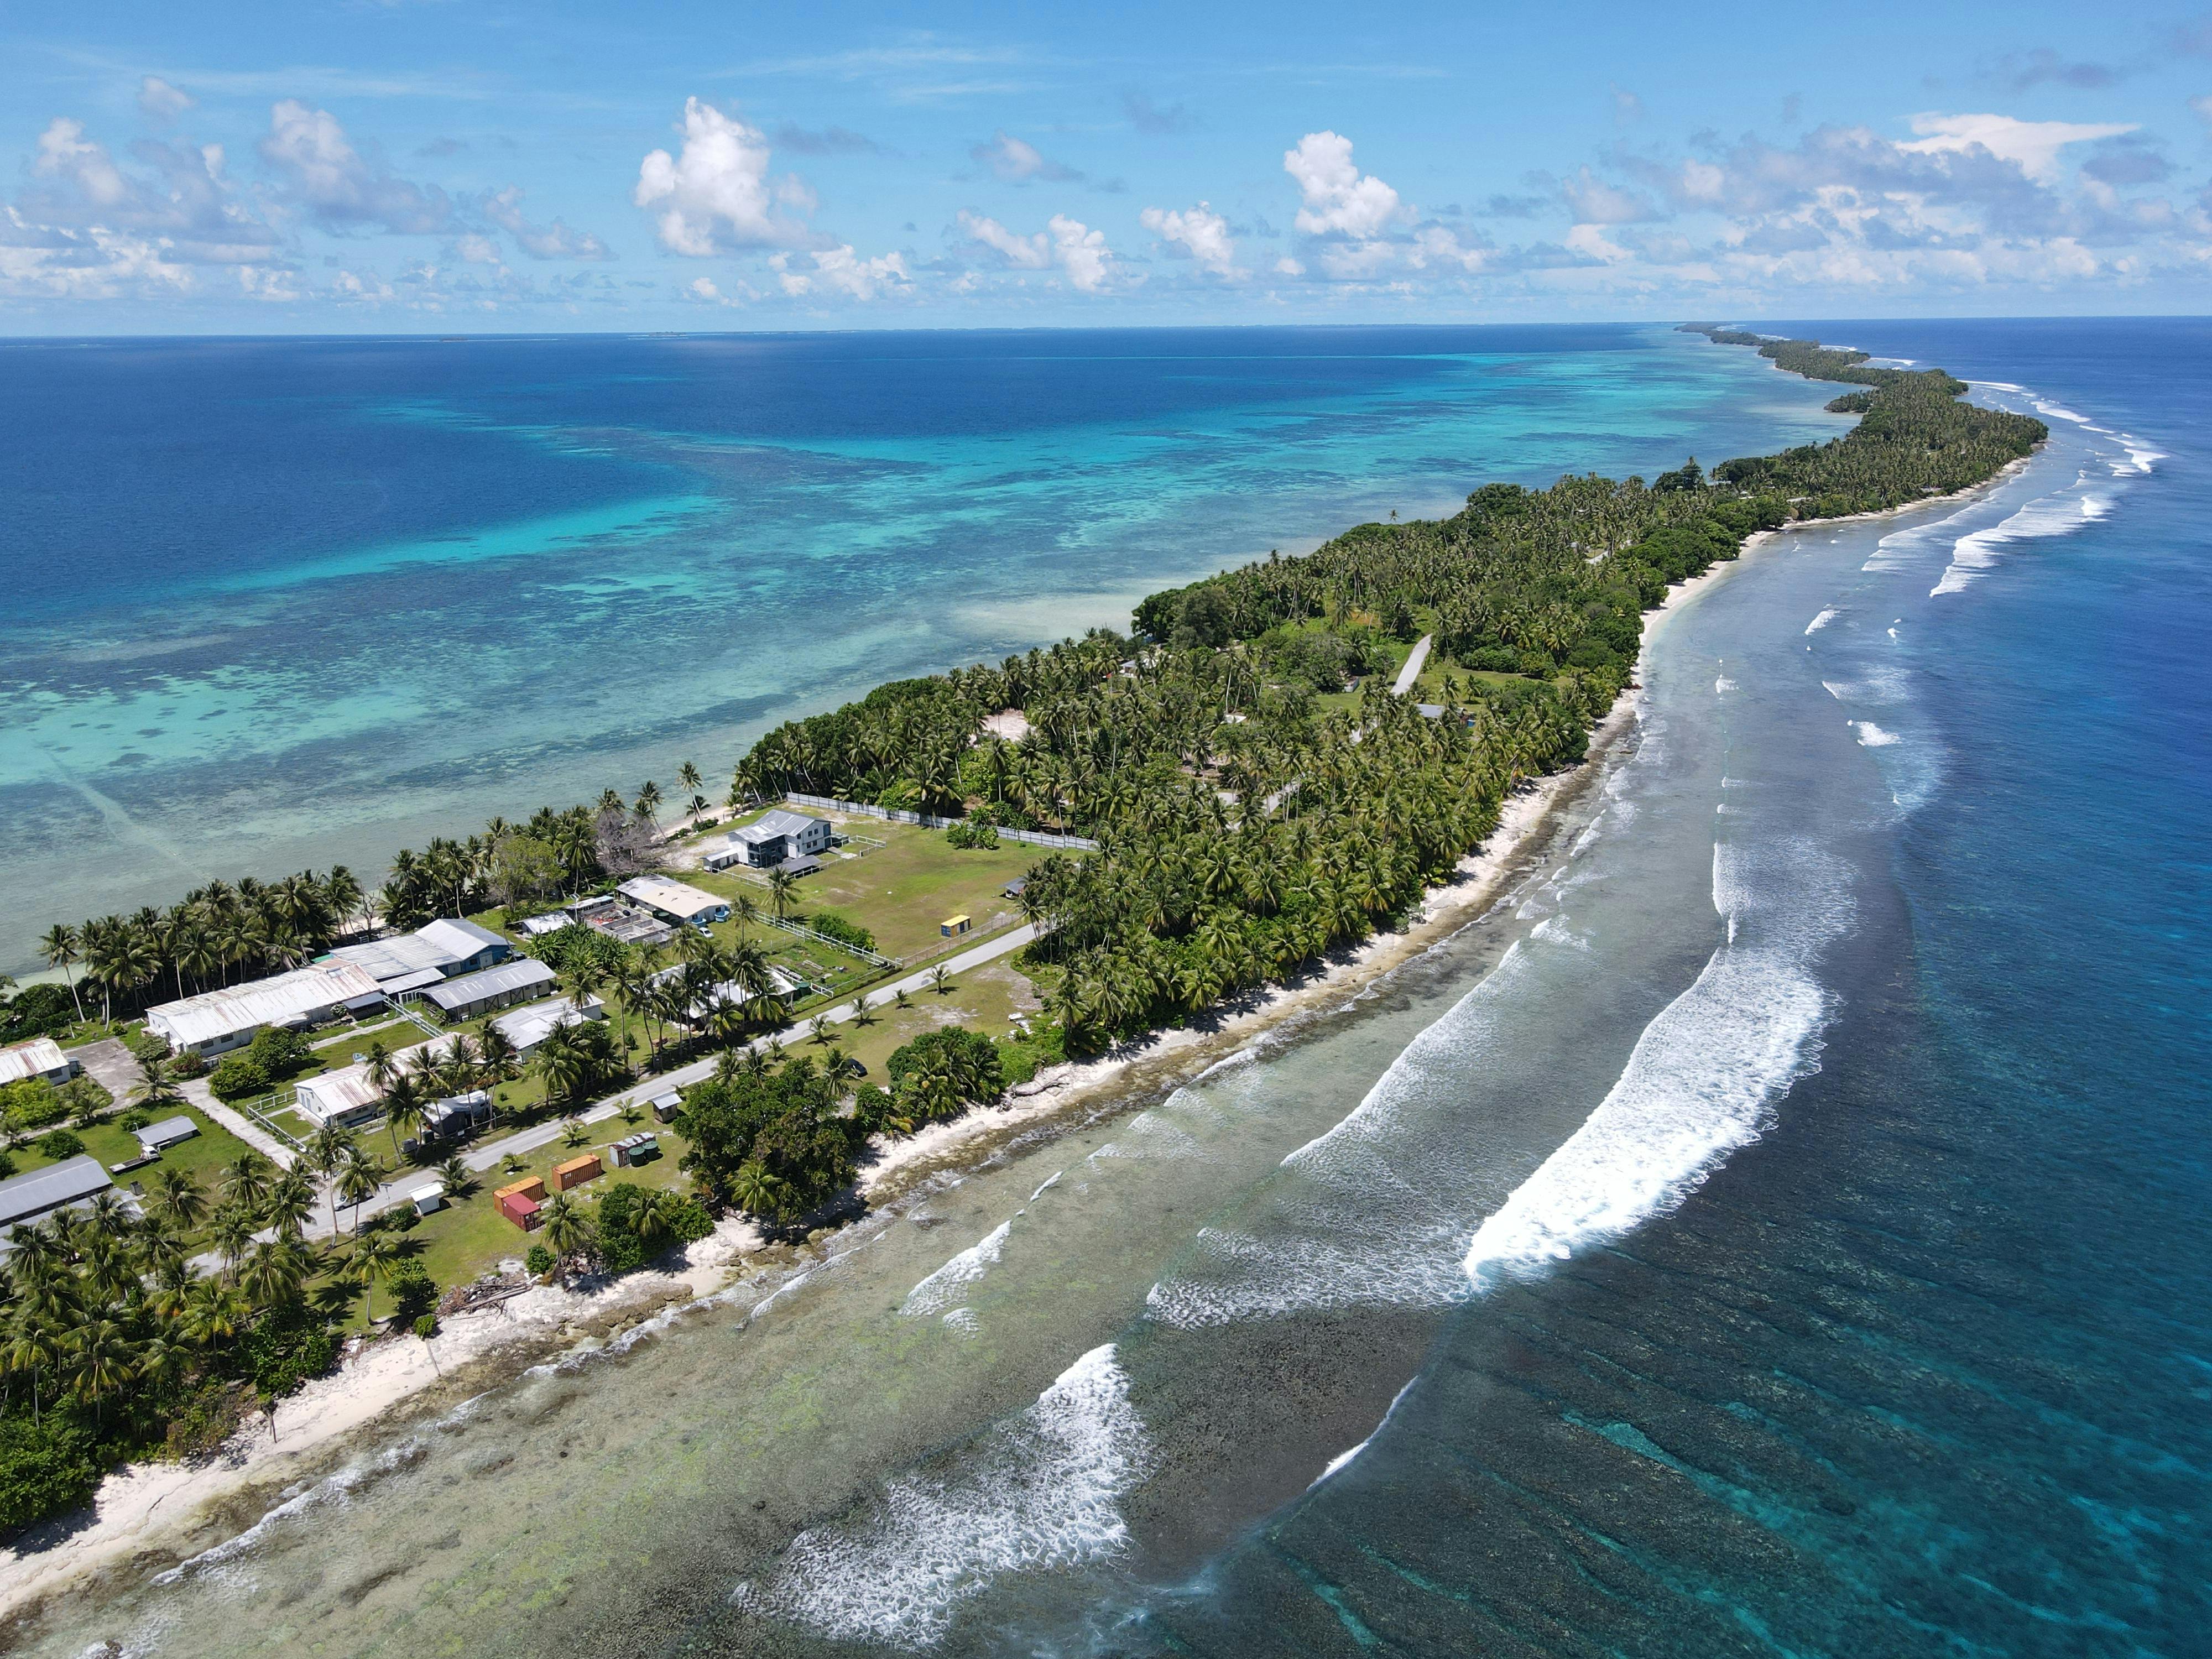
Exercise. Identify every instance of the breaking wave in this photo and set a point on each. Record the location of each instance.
(1822, 620)
(934, 1294)
(1043, 1490)
(2057, 515)
(1705, 1075)
(1872, 736)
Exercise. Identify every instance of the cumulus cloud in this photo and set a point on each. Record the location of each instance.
(716, 196)
(553, 242)
(1018, 161)
(1022, 253)
(88, 227)
(1081, 253)
(1338, 199)
(310, 151)
(1198, 234)
(164, 103)
(1595, 202)
(840, 271)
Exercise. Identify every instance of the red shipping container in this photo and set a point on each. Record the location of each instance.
(521, 1210)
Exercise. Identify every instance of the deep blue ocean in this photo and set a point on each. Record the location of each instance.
(283, 603)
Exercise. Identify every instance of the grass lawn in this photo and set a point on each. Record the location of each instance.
(901, 890)
(984, 999)
(203, 1155)
(469, 1237)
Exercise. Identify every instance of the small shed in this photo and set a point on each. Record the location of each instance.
(951, 926)
(576, 1171)
(427, 1198)
(157, 1138)
(666, 1104)
(640, 1148)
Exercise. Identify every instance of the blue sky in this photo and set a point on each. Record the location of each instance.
(332, 166)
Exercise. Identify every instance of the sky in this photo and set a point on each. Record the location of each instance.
(345, 165)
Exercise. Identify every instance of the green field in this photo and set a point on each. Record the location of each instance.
(205, 1154)
(903, 890)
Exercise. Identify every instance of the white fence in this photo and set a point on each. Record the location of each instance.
(791, 926)
(929, 821)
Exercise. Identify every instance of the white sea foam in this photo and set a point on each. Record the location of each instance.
(1822, 620)
(2043, 406)
(1872, 736)
(2059, 513)
(942, 1288)
(1042, 1491)
(2139, 456)
(1704, 1075)
(1723, 686)
(1050, 1181)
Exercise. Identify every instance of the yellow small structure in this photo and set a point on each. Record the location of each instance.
(952, 925)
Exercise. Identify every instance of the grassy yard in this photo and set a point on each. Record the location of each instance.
(203, 1155)
(901, 890)
(469, 1237)
(983, 998)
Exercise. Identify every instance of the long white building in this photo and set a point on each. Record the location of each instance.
(215, 1021)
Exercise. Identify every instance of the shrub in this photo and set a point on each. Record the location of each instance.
(191, 1063)
(426, 1326)
(537, 1260)
(203, 1423)
(972, 835)
(36, 1011)
(414, 1292)
(58, 1144)
(133, 1120)
(284, 1350)
(830, 925)
(238, 1076)
(31, 1104)
(7, 1165)
(278, 1053)
(45, 1467)
(1018, 1062)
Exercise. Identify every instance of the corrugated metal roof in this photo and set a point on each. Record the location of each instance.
(778, 823)
(509, 978)
(167, 1133)
(459, 936)
(33, 1059)
(672, 896)
(70, 1181)
(275, 1001)
(339, 1091)
(525, 1028)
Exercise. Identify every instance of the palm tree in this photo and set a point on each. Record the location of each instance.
(688, 775)
(178, 1200)
(405, 1107)
(357, 1182)
(100, 1361)
(378, 1066)
(940, 979)
(782, 891)
(245, 1179)
(574, 1132)
(273, 1274)
(158, 1088)
(758, 1191)
(291, 1201)
(34, 1345)
(744, 911)
(567, 1232)
(59, 945)
(374, 1254)
(230, 1231)
(818, 1029)
(454, 1177)
(326, 1154)
(563, 1065)
(648, 801)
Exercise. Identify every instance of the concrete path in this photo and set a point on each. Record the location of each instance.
(1410, 674)
(489, 1154)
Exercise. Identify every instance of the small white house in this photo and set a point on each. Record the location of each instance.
(41, 1057)
(525, 1028)
(345, 1098)
(779, 836)
(157, 1138)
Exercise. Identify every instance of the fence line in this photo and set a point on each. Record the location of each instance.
(930, 821)
(790, 926)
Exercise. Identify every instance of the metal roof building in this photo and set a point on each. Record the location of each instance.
(227, 1018)
(343, 1097)
(495, 988)
(39, 1057)
(525, 1028)
(676, 901)
(157, 1138)
(27, 1197)
(438, 949)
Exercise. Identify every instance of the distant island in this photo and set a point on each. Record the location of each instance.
(1277, 763)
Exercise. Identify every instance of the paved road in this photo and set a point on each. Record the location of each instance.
(1410, 674)
(490, 1153)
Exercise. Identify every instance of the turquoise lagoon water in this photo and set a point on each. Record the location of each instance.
(283, 603)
